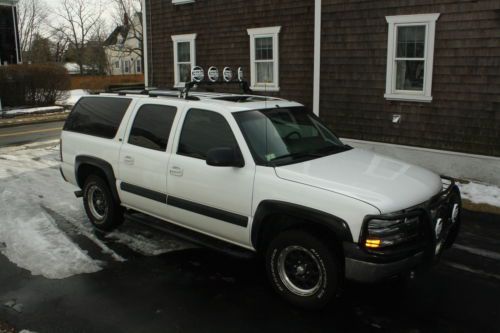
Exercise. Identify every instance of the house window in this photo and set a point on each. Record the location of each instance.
(138, 66)
(126, 66)
(184, 58)
(410, 55)
(117, 64)
(264, 58)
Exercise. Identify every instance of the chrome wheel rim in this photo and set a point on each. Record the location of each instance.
(300, 271)
(97, 203)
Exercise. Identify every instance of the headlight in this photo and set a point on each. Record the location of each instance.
(383, 233)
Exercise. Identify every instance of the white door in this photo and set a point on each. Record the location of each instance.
(144, 157)
(211, 199)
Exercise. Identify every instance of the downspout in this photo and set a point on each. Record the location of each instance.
(145, 44)
(317, 56)
(14, 18)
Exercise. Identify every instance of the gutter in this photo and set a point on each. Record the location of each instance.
(317, 56)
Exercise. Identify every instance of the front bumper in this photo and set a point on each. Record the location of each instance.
(368, 265)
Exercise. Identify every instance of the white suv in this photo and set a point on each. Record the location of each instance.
(262, 175)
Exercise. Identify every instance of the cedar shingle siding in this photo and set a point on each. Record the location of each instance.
(222, 38)
(464, 114)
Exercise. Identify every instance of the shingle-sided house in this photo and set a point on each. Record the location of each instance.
(9, 39)
(419, 80)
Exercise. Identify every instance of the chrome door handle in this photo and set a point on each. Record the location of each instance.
(176, 171)
(128, 160)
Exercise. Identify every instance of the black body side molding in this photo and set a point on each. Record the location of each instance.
(299, 213)
(215, 213)
(104, 166)
(144, 192)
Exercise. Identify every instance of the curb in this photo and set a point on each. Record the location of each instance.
(33, 120)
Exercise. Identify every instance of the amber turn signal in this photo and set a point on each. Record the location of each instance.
(372, 243)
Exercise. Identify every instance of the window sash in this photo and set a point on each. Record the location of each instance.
(267, 47)
(190, 49)
(425, 57)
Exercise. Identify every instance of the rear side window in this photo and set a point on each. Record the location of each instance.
(98, 116)
(202, 131)
(152, 125)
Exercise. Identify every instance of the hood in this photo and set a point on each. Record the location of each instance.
(388, 184)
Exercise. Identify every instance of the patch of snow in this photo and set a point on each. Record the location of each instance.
(145, 242)
(73, 97)
(479, 193)
(44, 109)
(27, 331)
(30, 236)
(34, 242)
(39, 214)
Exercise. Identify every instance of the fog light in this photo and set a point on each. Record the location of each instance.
(454, 213)
(372, 243)
(439, 227)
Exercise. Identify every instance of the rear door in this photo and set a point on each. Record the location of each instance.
(144, 157)
(213, 200)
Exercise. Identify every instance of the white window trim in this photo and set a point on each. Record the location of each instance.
(429, 20)
(191, 38)
(181, 2)
(264, 32)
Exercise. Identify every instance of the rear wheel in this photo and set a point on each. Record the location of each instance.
(303, 269)
(101, 208)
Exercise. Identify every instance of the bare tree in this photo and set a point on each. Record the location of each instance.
(79, 21)
(128, 14)
(59, 45)
(32, 15)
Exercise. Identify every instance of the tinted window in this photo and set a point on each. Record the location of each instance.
(99, 116)
(202, 131)
(151, 127)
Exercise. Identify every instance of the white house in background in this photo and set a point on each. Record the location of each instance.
(124, 48)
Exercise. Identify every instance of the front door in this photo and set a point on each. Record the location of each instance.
(209, 199)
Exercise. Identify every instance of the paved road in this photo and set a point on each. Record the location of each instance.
(200, 291)
(19, 135)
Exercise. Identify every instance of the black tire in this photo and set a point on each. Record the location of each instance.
(315, 280)
(102, 210)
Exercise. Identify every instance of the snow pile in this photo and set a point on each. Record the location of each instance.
(29, 236)
(73, 97)
(39, 214)
(480, 193)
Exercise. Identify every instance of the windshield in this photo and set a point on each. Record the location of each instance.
(287, 135)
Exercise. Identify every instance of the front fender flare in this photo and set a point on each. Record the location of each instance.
(270, 207)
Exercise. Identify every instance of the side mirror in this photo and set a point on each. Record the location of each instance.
(225, 157)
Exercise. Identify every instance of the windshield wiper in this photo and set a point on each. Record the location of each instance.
(298, 155)
(325, 151)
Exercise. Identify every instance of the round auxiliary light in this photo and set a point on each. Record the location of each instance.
(227, 74)
(240, 74)
(197, 74)
(213, 74)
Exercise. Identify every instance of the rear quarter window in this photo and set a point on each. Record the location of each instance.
(97, 116)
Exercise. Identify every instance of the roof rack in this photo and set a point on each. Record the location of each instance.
(197, 79)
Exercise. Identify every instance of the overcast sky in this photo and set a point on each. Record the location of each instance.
(107, 11)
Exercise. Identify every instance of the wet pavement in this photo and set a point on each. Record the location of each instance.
(197, 290)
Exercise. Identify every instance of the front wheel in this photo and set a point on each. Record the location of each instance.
(303, 269)
(101, 208)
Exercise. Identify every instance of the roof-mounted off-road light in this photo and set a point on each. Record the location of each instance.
(198, 78)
